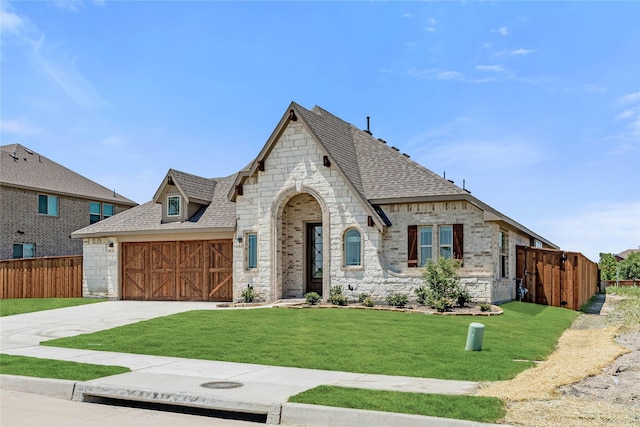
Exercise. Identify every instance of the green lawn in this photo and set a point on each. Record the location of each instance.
(473, 408)
(365, 341)
(47, 368)
(9, 307)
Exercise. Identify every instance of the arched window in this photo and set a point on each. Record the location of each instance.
(352, 248)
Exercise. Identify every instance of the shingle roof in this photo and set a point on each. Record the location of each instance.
(375, 169)
(24, 168)
(195, 187)
(147, 218)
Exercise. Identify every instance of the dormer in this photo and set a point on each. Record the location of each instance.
(183, 195)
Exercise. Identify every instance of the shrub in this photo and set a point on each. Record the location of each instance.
(368, 302)
(442, 285)
(362, 297)
(248, 295)
(485, 307)
(312, 298)
(397, 300)
(336, 297)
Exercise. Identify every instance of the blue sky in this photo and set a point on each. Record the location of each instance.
(536, 105)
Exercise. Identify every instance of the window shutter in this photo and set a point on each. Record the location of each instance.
(458, 241)
(412, 246)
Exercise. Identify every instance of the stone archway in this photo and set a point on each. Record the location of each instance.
(297, 216)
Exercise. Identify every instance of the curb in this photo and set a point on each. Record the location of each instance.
(62, 389)
(304, 414)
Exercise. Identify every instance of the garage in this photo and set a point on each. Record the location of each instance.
(199, 270)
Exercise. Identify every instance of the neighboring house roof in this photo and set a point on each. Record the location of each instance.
(219, 215)
(193, 188)
(23, 168)
(624, 254)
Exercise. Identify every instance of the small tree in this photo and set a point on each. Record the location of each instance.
(630, 267)
(442, 288)
(607, 265)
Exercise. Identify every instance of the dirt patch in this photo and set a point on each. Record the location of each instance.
(592, 379)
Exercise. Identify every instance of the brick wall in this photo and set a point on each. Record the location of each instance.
(19, 211)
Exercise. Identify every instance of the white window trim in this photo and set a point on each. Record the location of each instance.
(170, 215)
(448, 245)
(344, 250)
(48, 196)
(420, 245)
(503, 253)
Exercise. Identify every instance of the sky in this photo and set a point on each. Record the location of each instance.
(535, 106)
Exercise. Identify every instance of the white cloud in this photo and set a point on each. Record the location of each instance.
(407, 15)
(594, 88)
(605, 226)
(449, 75)
(516, 52)
(492, 68)
(19, 127)
(430, 30)
(629, 98)
(503, 31)
(9, 21)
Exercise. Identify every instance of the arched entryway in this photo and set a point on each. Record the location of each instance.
(302, 247)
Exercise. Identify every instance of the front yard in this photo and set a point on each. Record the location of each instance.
(374, 342)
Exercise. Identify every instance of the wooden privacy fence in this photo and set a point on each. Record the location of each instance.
(52, 277)
(608, 283)
(557, 278)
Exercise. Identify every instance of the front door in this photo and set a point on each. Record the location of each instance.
(314, 258)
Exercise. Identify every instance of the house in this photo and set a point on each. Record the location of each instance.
(42, 203)
(322, 204)
(624, 254)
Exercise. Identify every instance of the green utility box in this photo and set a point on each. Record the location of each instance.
(474, 337)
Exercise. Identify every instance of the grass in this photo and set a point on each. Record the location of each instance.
(473, 408)
(365, 341)
(9, 307)
(47, 368)
(629, 307)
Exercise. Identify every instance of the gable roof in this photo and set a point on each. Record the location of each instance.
(192, 187)
(23, 168)
(378, 174)
(219, 215)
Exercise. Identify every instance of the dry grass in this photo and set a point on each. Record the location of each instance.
(572, 412)
(580, 353)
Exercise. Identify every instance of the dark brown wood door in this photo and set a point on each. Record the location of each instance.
(185, 271)
(314, 252)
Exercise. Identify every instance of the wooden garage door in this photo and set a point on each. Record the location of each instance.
(184, 271)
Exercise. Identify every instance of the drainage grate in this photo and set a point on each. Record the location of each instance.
(221, 384)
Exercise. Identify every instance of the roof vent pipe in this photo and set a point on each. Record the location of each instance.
(368, 129)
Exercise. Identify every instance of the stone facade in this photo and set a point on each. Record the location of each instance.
(20, 222)
(296, 188)
(100, 264)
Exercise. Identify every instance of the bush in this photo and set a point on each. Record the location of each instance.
(312, 298)
(485, 307)
(248, 295)
(336, 297)
(397, 300)
(442, 287)
(368, 302)
(362, 297)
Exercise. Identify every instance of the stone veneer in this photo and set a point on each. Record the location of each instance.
(100, 264)
(296, 187)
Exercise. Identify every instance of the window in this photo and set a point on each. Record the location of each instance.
(173, 206)
(426, 244)
(502, 249)
(107, 211)
(252, 250)
(48, 205)
(352, 245)
(446, 241)
(24, 250)
(94, 212)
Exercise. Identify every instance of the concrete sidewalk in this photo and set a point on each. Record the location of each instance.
(256, 388)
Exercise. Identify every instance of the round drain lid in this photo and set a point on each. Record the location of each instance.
(221, 384)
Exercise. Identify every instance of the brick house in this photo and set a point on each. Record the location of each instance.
(42, 203)
(322, 204)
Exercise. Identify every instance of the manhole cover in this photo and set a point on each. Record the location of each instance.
(221, 384)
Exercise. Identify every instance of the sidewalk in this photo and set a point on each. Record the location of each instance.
(257, 388)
